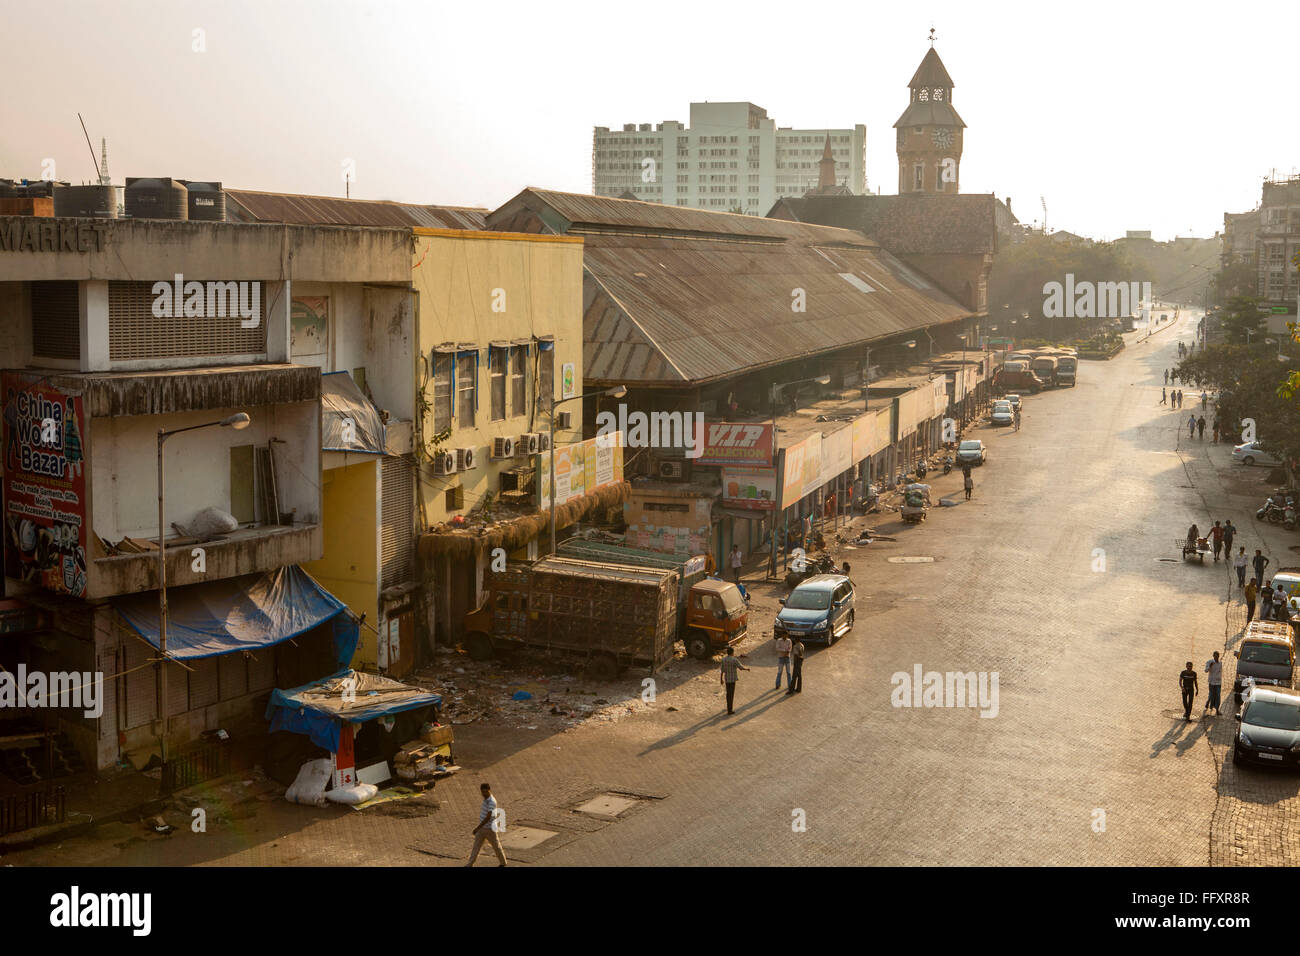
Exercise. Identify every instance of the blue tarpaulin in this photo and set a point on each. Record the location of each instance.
(243, 613)
(320, 708)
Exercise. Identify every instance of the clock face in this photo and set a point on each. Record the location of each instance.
(942, 138)
(938, 95)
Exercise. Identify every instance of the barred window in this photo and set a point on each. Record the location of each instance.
(497, 358)
(466, 380)
(443, 369)
(518, 392)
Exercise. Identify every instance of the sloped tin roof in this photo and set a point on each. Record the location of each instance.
(246, 205)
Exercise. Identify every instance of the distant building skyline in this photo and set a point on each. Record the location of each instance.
(731, 156)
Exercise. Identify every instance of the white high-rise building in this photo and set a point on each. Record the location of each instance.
(732, 157)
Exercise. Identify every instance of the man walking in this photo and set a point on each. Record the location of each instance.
(1017, 414)
(730, 665)
(1187, 683)
(1213, 683)
(1216, 430)
(796, 678)
(1166, 376)
(1216, 535)
(968, 483)
(491, 822)
(1239, 562)
(1163, 397)
(1191, 426)
(736, 562)
(1266, 602)
(1250, 593)
(1229, 532)
(783, 646)
(1259, 562)
(1200, 426)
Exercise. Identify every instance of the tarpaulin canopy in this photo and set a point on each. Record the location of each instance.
(320, 708)
(242, 613)
(349, 420)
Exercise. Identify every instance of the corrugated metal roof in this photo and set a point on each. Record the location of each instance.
(674, 311)
(582, 213)
(246, 205)
(673, 295)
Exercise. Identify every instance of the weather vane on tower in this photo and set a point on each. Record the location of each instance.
(933, 37)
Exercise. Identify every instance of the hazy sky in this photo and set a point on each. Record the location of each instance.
(1132, 115)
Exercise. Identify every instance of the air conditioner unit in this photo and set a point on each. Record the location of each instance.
(563, 420)
(527, 444)
(444, 463)
(674, 469)
(543, 441)
(465, 459)
(503, 448)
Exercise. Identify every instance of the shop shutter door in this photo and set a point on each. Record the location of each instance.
(203, 682)
(397, 517)
(140, 686)
(178, 689)
(234, 675)
(56, 320)
(134, 332)
(107, 663)
(261, 670)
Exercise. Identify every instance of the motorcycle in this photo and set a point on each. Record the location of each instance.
(1271, 512)
(947, 464)
(920, 470)
(807, 567)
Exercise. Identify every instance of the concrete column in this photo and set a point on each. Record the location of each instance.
(277, 297)
(93, 305)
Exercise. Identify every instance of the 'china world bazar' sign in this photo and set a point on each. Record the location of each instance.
(737, 443)
(44, 486)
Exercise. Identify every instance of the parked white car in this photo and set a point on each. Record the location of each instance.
(1252, 453)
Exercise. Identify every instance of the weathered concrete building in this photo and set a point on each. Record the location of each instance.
(112, 331)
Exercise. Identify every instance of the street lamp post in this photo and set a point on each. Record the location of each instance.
(237, 421)
(618, 391)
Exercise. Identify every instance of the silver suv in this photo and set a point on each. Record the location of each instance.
(1269, 730)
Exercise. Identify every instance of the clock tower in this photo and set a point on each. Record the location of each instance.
(929, 132)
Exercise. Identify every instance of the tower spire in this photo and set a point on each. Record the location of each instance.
(826, 171)
(933, 37)
(104, 178)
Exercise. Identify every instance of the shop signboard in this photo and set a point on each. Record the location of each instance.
(44, 485)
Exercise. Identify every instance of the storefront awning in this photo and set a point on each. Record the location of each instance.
(319, 709)
(244, 613)
(349, 420)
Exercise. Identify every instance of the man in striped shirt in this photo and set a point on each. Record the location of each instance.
(730, 665)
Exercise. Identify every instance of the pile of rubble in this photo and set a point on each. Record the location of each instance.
(526, 696)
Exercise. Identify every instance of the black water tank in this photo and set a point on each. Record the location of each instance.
(156, 199)
(207, 202)
(94, 202)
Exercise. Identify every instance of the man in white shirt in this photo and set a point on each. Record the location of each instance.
(783, 648)
(1214, 670)
(736, 561)
(491, 822)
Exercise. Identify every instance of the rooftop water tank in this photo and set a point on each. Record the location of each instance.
(156, 199)
(94, 202)
(207, 201)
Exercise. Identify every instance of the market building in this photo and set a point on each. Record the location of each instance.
(483, 336)
(118, 330)
(726, 331)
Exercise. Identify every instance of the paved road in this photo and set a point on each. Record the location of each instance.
(1061, 577)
